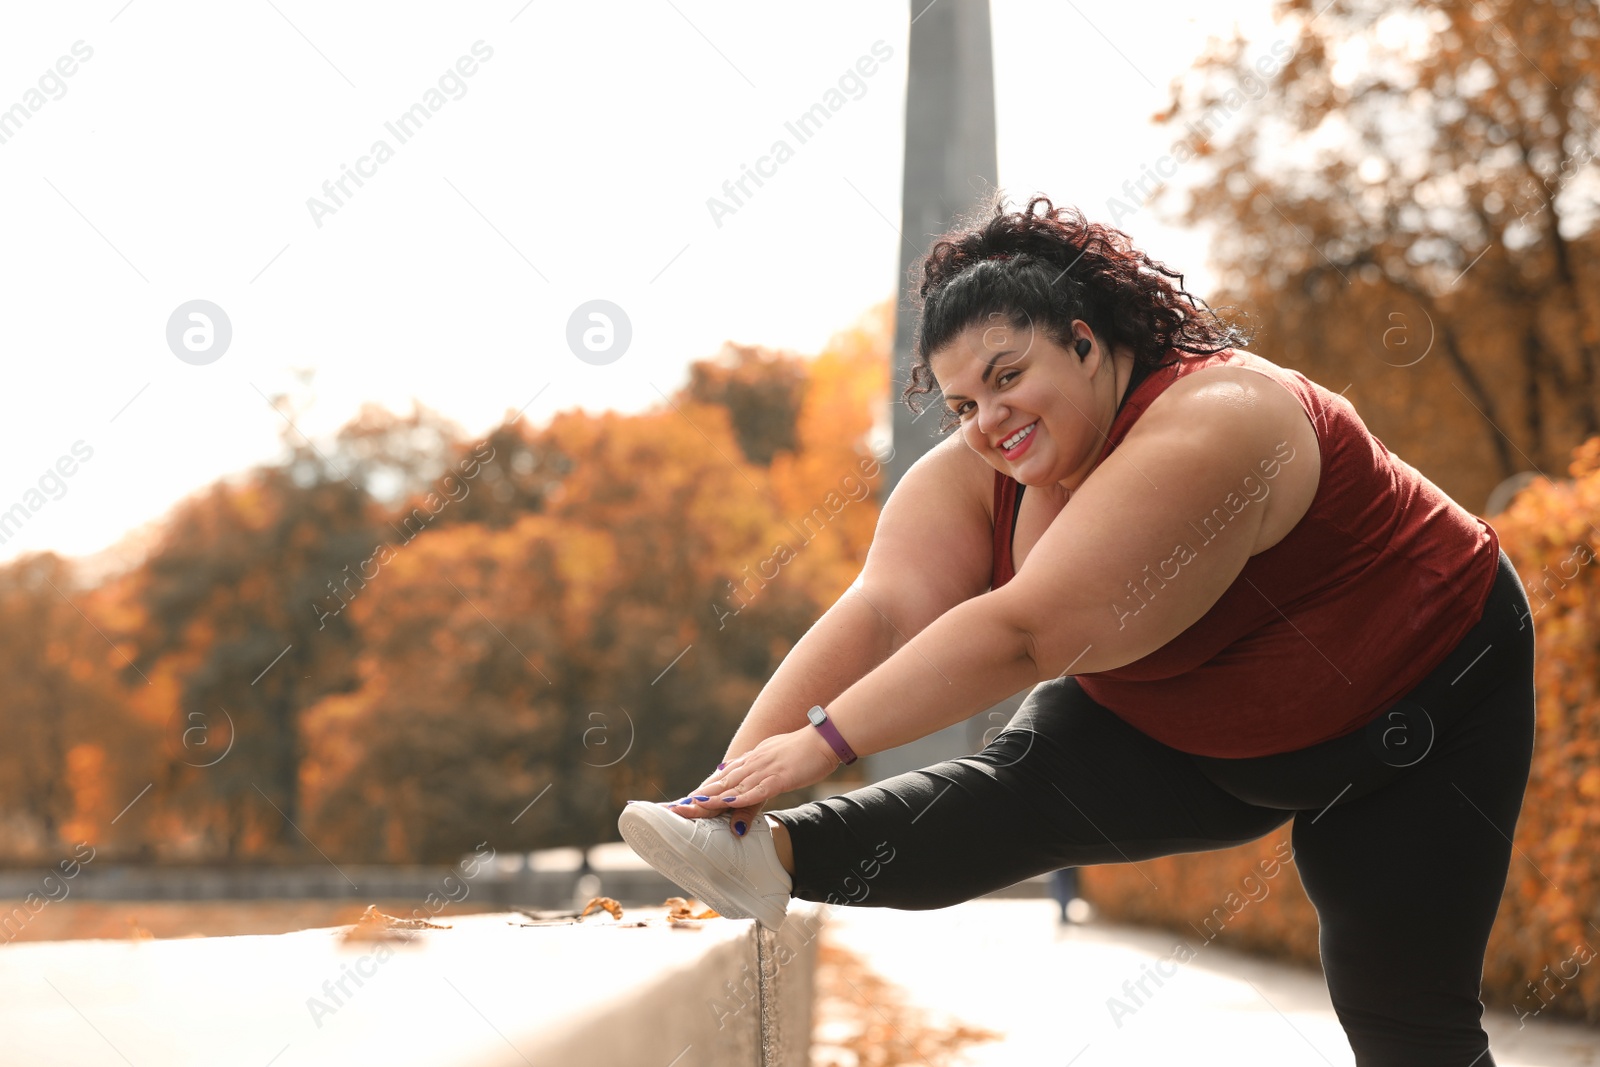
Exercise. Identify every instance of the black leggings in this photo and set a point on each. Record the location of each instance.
(1402, 829)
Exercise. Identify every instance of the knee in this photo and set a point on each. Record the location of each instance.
(1420, 1028)
(1402, 1002)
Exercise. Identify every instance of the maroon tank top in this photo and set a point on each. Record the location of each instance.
(1359, 602)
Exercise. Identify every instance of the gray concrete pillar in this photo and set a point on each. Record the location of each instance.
(949, 170)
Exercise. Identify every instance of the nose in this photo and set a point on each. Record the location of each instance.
(991, 416)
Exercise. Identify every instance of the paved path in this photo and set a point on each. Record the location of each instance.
(1006, 965)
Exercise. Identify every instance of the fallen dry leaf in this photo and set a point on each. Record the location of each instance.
(679, 911)
(862, 1020)
(374, 925)
(602, 902)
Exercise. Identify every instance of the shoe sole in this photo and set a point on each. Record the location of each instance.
(667, 855)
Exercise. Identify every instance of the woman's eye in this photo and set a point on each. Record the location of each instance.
(965, 408)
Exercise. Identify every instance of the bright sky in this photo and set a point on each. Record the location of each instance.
(573, 163)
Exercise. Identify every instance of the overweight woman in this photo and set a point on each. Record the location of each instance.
(1234, 606)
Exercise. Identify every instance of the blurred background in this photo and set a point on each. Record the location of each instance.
(406, 406)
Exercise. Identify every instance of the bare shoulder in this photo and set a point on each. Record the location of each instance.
(932, 548)
(970, 474)
(1259, 416)
(965, 480)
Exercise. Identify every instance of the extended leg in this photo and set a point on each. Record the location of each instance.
(1067, 783)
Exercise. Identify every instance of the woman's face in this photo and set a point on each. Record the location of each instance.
(999, 381)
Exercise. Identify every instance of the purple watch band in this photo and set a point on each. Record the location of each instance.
(819, 719)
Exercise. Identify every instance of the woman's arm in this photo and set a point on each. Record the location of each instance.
(850, 639)
(932, 549)
(1074, 606)
(1120, 571)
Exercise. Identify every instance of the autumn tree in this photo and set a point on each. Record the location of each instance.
(577, 649)
(73, 754)
(522, 472)
(604, 643)
(761, 390)
(236, 621)
(394, 456)
(1408, 209)
(402, 642)
(402, 458)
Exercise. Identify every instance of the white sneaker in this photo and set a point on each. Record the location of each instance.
(738, 876)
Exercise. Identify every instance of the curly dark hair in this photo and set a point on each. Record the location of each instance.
(1044, 270)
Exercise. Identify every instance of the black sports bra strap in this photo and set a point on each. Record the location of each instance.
(1016, 509)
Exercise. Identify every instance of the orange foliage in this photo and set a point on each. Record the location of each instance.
(654, 587)
(1439, 268)
(848, 388)
(86, 778)
(400, 673)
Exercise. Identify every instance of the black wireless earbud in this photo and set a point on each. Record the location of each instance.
(1082, 347)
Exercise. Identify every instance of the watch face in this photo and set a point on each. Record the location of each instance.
(816, 714)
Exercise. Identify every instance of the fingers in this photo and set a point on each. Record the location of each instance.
(691, 804)
(742, 812)
(695, 808)
(744, 817)
(752, 790)
(735, 787)
(701, 805)
(699, 800)
(707, 800)
(723, 787)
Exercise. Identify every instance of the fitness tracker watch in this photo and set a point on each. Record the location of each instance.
(824, 725)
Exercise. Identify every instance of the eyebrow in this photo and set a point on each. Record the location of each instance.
(985, 377)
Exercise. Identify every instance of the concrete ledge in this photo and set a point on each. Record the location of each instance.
(615, 874)
(634, 884)
(488, 991)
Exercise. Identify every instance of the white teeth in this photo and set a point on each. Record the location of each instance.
(1015, 439)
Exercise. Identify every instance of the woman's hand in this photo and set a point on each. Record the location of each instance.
(782, 762)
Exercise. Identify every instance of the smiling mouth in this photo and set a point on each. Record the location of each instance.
(1020, 436)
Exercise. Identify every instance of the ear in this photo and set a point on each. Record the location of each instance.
(1083, 339)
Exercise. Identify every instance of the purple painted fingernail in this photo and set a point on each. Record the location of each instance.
(730, 798)
(738, 828)
(721, 765)
(702, 798)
